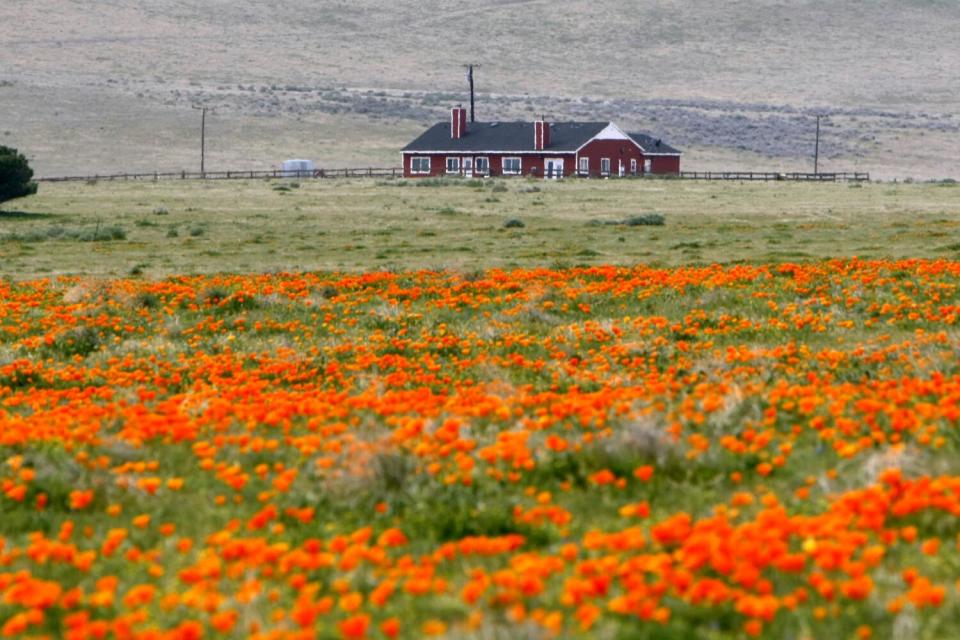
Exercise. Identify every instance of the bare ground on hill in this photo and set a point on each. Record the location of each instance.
(96, 87)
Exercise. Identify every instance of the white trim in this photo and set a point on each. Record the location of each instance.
(457, 160)
(604, 172)
(633, 166)
(420, 173)
(503, 161)
(522, 153)
(581, 161)
(544, 127)
(557, 170)
(456, 126)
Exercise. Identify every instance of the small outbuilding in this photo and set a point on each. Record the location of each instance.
(297, 168)
(538, 149)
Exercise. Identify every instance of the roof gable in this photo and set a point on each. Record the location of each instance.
(611, 132)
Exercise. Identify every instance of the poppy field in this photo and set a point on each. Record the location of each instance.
(722, 451)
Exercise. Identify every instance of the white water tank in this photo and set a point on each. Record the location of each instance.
(297, 168)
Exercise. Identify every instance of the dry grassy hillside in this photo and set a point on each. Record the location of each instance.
(96, 86)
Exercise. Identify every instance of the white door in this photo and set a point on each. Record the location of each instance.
(468, 167)
(553, 168)
(647, 164)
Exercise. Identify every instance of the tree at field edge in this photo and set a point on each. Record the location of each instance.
(15, 175)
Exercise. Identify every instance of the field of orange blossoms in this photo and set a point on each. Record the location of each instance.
(711, 452)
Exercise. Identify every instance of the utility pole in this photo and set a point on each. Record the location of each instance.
(470, 80)
(816, 149)
(203, 140)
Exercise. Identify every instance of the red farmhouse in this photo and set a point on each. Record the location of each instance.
(550, 150)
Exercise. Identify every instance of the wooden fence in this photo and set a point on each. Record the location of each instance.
(397, 172)
(369, 172)
(769, 176)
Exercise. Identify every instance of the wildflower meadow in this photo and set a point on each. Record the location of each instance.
(762, 450)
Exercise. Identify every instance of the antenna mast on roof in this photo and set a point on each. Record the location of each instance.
(470, 80)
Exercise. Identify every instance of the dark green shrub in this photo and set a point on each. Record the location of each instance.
(213, 295)
(61, 233)
(646, 219)
(15, 175)
(146, 300)
(514, 223)
(79, 341)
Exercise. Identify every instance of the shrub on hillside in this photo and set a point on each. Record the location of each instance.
(15, 175)
(646, 219)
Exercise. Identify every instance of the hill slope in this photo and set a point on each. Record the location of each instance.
(733, 83)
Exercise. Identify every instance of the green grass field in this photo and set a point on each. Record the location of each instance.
(156, 229)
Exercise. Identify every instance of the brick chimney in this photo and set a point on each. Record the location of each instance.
(541, 134)
(458, 122)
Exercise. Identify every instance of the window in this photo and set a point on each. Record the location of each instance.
(584, 165)
(482, 166)
(453, 165)
(511, 166)
(420, 165)
(633, 166)
(605, 166)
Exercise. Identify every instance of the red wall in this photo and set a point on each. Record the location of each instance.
(616, 150)
(595, 150)
(538, 161)
(664, 164)
(438, 164)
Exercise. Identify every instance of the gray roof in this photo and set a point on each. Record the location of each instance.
(653, 145)
(505, 136)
